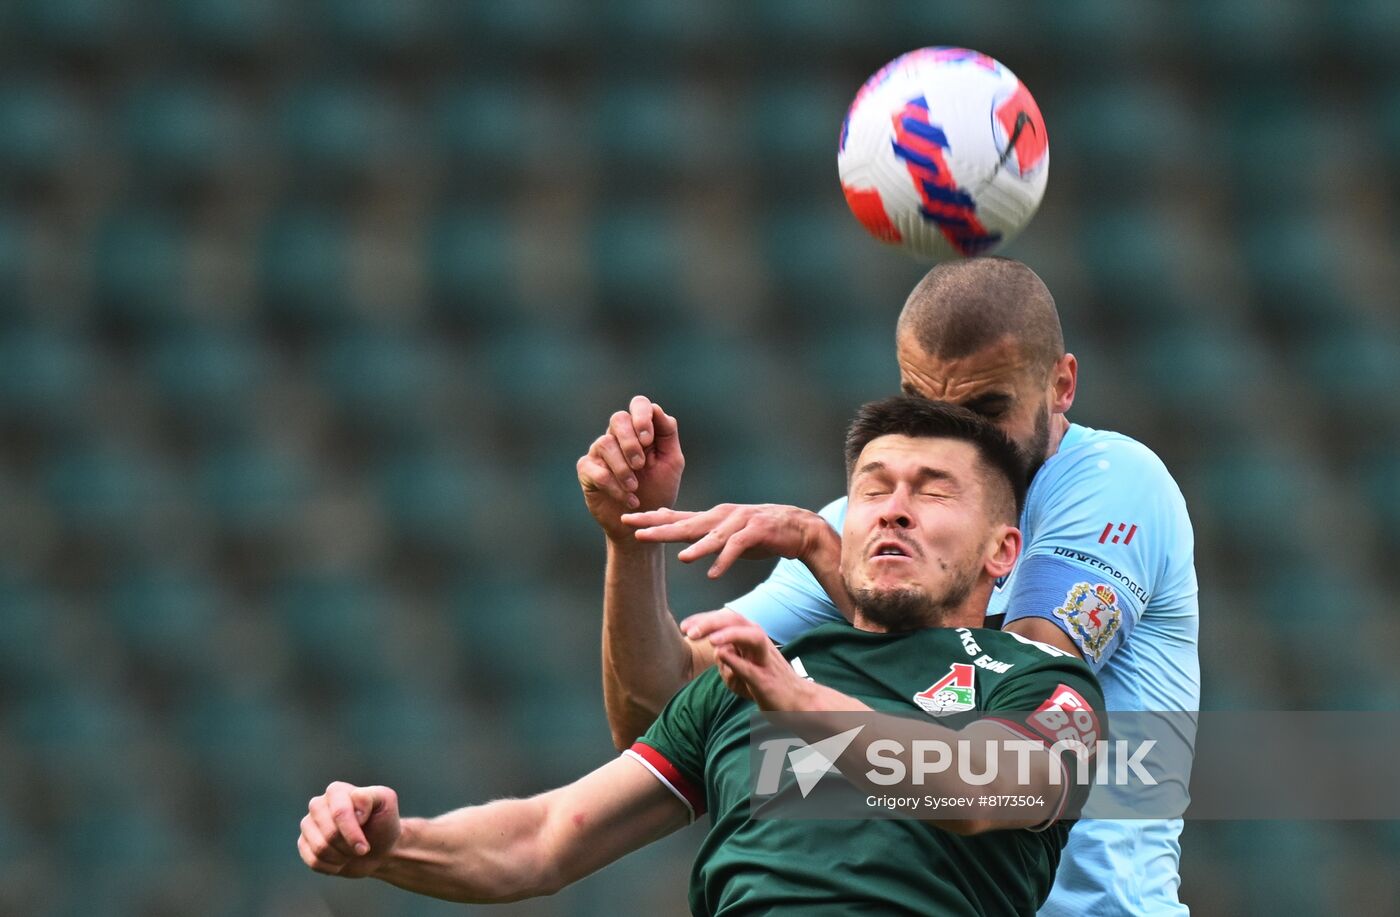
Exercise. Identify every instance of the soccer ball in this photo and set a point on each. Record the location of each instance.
(944, 153)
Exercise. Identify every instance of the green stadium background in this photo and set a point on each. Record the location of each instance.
(308, 308)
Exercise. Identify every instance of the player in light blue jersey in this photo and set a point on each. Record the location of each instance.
(1107, 571)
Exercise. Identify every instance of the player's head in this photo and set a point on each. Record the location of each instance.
(934, 495)
(984, 333)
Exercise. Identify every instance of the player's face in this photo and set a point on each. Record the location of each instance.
(998, 382)
(918, 536)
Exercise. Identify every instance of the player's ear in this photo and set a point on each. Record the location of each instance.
(1064, 378)
(1004, 549)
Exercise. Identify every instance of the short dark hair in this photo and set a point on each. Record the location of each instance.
(961, 307)
(909, 415)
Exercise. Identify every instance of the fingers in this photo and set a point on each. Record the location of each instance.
(731, 680)
(712, 541)
(643, 413)
(743, 673)
(317, 849)
(610, 452)
(369, 800)
(732, 531)
(622, 427)
(320, 815)
(310, 858)
(603, 468)
(668, 526)
(698, 627)
(665, 426)
(726, 629)
(707, 530)
(745, 637)
(658, 518)
(348, 815)
(734, 547)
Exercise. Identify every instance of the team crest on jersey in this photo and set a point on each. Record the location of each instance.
(1092, 616)
(955, 692)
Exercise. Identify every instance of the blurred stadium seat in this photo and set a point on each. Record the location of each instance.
(471, 271)
(303, 266)
(77, 26)
(242, 26)
(42, 129)
(44, 377)
(639, 258)
(208, 378)
(185, 132)
(139, 270)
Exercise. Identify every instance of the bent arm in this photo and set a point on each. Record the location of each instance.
(646, 659)
(520, 848)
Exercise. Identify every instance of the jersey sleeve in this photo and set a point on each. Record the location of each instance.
(791, 601)
(1101, 530)
(1059, 704)
(673, 749)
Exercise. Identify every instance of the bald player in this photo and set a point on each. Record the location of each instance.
(1107, 572)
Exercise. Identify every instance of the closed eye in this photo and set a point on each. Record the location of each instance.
(990, 405)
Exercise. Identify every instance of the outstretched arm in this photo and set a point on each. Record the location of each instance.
(502, 851)
(637, 464)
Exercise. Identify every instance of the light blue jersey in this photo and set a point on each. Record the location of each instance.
(1108, 557)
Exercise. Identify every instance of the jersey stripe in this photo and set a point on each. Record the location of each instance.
(670, 777)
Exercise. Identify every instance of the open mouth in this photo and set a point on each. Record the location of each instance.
(891, 548)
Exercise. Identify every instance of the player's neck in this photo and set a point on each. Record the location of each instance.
(970, 612)
(1059, 426)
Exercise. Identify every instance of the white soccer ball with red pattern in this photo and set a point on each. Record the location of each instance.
(944, 153)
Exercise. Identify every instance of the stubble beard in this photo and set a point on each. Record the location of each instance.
(1033, 452)
(907, 608)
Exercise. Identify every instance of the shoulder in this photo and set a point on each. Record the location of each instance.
(1037, 666)
(1103, 453)
(705, 691)
(1022, 650)
(1103, 462)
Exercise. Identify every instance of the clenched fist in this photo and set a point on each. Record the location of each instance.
(349, 830)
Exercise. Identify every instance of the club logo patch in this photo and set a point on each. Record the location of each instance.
(955, 692)
(1092, 616)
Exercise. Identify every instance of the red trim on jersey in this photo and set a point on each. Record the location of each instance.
(1020, 729)
(671, 776)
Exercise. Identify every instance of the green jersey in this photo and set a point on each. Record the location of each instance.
(699, 748)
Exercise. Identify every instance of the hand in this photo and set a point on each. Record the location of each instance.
(349, 831)
(636, 464)
(749, 663)
(753, 532)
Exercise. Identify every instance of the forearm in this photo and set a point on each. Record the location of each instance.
(822, 556)
(481, 854)
(646, 660)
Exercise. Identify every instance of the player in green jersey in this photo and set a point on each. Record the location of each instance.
(934, 495)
